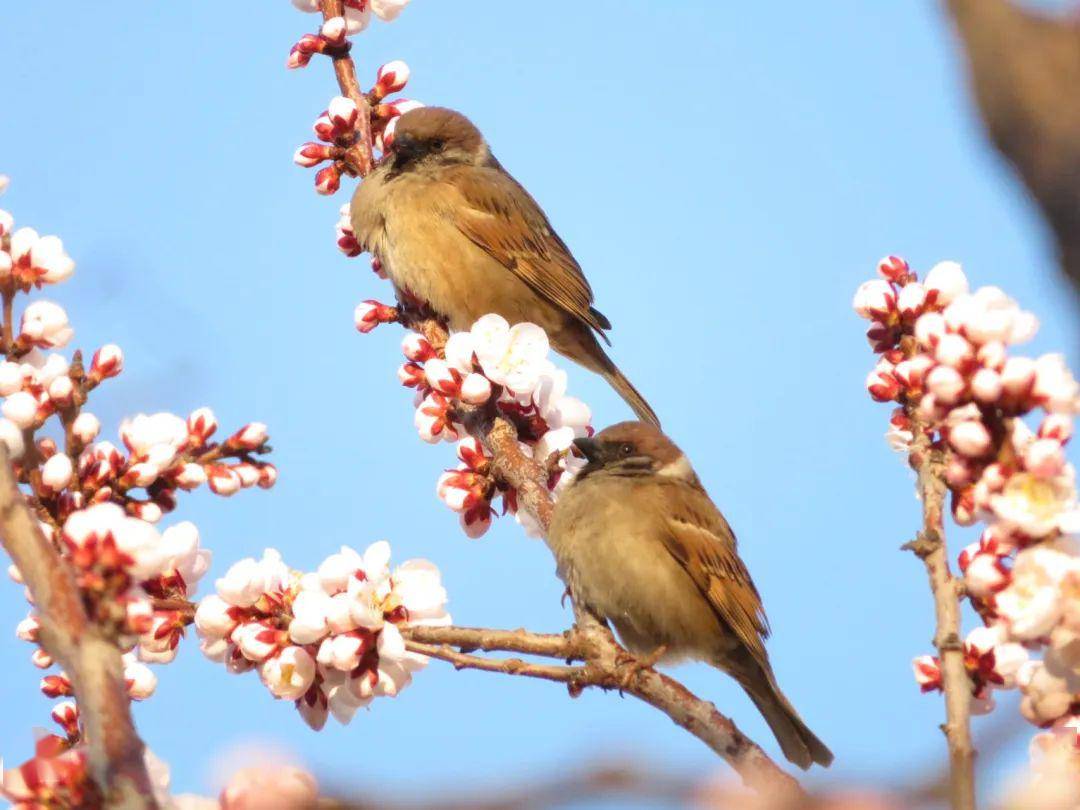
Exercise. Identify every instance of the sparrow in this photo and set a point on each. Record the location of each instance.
(453, 229)
(639, 543)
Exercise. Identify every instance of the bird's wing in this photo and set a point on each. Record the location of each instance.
(499, 216)
(700, 539)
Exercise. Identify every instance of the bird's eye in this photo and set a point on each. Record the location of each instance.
(626, 449)
(438, 143)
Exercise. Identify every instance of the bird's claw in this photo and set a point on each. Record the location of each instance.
(631, 665)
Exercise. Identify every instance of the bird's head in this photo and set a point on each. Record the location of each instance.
(634, 449)
(438, 135)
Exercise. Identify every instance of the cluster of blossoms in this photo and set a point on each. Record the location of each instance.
(98, 503)
(328, 640)
(945, 359)
(358, 12)
(504, 369)
(58, 776)
(336, 126)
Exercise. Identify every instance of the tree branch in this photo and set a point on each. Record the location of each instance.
(91, 661)
(929, 463)
(358, 158)
(1025, 71)
(604, 780)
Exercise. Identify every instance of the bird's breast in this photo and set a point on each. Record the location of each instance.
(607, 541)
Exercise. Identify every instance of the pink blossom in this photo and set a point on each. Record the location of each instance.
(970, 438)
(140, 679)
(250, 437)
(440, 377)
(911, 300)
(417, 348)
(158, 438)
(1031, 604)
(946, 384)
(108, 361)
(342, 652)
(214, 617)
(391, 78)
(335, 30)
(201, 425)
(433, 420)
(61, 391)
(136, 538)
(1055, 388)
(309, 616)
(56, 473)
(223, 480)
(874, 299)
(289, 674)
(249, 579)
(343, 113)
(912, 372)
(1057, 426)
(882, 382)
(190, 476)
(388, 10)
(475, 389)
(418, 584)
(953, 350)
(328, 180)
(986, 386)
(309, 155)
(370, 314)
(513, 358)
(999, 660)
(1036, 506)
(276, 788)
(337, 569)
(1044, 458)
(1046, 696)
(256, 641)
(927, 670)
(49, 263)
(929, 329)
(947, 279)
(45, 324)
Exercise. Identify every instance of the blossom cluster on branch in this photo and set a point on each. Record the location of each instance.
(945, 357)
(339, 129)
(328, 640)
(505, 370)
(98, 504)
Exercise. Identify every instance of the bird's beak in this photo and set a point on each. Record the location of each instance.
(590, 448)
(404, 146)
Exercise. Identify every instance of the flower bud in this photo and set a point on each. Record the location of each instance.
(893, 268)
(108, 362)
(56, 473)
(947, 281)
(391, 78)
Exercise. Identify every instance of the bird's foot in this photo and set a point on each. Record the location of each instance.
(630, 665)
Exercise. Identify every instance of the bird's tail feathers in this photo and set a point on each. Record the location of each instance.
(625, 389)
(799, 744)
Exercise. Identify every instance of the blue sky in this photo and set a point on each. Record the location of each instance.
(726, 174)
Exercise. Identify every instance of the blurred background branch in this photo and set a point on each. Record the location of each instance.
(1025, 75)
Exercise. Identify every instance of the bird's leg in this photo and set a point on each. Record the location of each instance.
(632, 664)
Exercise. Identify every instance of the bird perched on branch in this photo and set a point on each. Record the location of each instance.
(453, 229)
(639, 542)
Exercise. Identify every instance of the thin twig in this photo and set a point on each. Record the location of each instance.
(358, 157)
(91, 661)
(930, 547)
